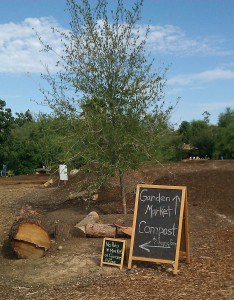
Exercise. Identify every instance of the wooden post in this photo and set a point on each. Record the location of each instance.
(186, 230)
(175, 265)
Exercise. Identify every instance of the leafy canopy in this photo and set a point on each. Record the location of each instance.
(106, 85)
(106, 88)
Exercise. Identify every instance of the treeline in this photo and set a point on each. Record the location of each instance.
(206, 140)
(31, 141)
(28, 142)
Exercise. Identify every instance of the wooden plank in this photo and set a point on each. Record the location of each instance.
(179, 232)
(133, 227)
(187, 230)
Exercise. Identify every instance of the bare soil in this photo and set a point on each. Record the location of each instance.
(74, 271)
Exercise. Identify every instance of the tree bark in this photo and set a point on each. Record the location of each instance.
(123, 194)
(62, 231)
(100, 230)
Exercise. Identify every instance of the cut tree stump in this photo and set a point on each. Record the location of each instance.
(29, 239)
(63, 232)
(100, 230)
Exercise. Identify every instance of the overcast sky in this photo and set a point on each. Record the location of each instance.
(194, 37)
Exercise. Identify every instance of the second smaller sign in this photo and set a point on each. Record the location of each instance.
(113, 252)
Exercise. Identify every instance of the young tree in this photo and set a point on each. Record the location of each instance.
(106, 88)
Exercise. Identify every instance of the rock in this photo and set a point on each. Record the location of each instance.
(169, 270)
(227, 284)
(95, 197)
(42, 170)
(76, 195)
(48, 183)
(83, 195)
(74, 172)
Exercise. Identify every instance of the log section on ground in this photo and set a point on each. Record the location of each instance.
(91, 218)
(100, 230)
(29, 239)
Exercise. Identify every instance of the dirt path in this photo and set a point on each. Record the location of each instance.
(74, 272)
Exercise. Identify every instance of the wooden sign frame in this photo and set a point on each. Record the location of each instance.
(123, 252)
(182, 228)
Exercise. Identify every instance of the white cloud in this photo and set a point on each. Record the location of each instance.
(171, 39)
(20, 48)
(205, 76)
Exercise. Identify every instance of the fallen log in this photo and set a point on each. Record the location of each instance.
(91, 218)
(123, 231)
(48, 183)
(100, 230)
(28, 239)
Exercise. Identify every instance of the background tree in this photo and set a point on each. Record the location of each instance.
(202, 138)
(226, 118)
(107, 90)
(200, 135)
(206, 116)
(215, 141)
(36, 142)
(22, 118)
(225, 134)
(6, 122)
(185, 132)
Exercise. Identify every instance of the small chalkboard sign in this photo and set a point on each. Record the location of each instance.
(159, 215)
(113, 252)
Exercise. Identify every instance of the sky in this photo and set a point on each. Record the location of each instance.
(194, 38)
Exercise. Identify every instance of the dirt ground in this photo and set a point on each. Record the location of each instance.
(74, 271)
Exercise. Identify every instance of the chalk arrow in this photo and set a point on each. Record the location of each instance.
(177, 200)
(143, 246)
(147, 245)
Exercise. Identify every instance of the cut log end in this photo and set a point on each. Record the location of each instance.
(29, 240)
(27, 250)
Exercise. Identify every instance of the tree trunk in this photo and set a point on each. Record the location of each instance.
(123, 194)
(29, 239)
(100, 230)
(62, 232)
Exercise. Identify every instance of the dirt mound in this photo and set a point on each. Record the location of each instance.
(209, 189)
(209, 184)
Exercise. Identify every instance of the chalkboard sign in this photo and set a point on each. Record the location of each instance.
(113, 252)
(157, 224)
